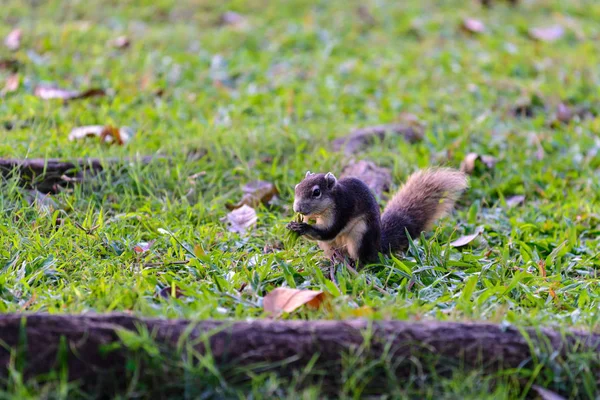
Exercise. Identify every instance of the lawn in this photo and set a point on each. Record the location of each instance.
(262, 99)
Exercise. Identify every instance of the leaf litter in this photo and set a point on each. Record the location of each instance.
(378, 179)
(106, 134)
(241, 219)
(256, 193)
(52, 92)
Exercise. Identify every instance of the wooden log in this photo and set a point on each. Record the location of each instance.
(90, 348)
(49, 175)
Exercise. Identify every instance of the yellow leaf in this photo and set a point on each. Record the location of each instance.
(362, 312)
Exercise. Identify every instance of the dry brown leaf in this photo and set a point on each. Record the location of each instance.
(547, 34)
(361, 138)
(287, 300)
(378, 179)
(241, 219)
(469, 163)
(106, 134)
(514, 201)
(546, 394)
(564, 113)
(143, 247)
(121, 42)
(472, 25)
(49, 92)
(11, 85)
(13, 39)
(255, 193)
(465, 240)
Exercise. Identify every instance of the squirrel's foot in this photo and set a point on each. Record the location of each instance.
(339, 257)
(299, 227)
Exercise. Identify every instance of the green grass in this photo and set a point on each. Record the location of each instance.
(265, 102)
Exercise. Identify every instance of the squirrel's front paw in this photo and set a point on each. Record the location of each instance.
(298, 227)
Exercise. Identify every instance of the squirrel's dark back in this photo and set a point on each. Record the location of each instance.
(358, 200)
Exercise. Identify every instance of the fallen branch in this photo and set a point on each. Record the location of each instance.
(91, 350)
(49, 175)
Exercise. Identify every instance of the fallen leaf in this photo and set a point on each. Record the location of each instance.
(255, 193)
(106, 134)
(287, 300)
(121, 42)
(13, 39)
(469, 164)
(465, 240)
(143, 247)
(472, 25)
(11, 85)
(167, 292)
(118, 135)
(360, 138)
(514, 201)
(233, 19)
(565, 114)
(241, 219)
(547, 34)
(50, 92)
(378, 179)
(546, 394)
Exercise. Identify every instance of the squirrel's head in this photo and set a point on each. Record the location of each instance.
(314, 195)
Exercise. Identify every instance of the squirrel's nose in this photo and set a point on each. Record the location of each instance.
(298, 208)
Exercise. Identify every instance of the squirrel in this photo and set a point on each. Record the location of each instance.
(348, 219)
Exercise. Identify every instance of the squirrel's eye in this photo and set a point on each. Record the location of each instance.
(316, 192)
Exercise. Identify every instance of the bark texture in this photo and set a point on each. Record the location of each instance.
(88, 345)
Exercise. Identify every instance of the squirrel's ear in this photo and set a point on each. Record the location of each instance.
(330, 179)
(308, 173)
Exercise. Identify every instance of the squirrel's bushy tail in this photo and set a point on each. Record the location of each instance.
(426, 196)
